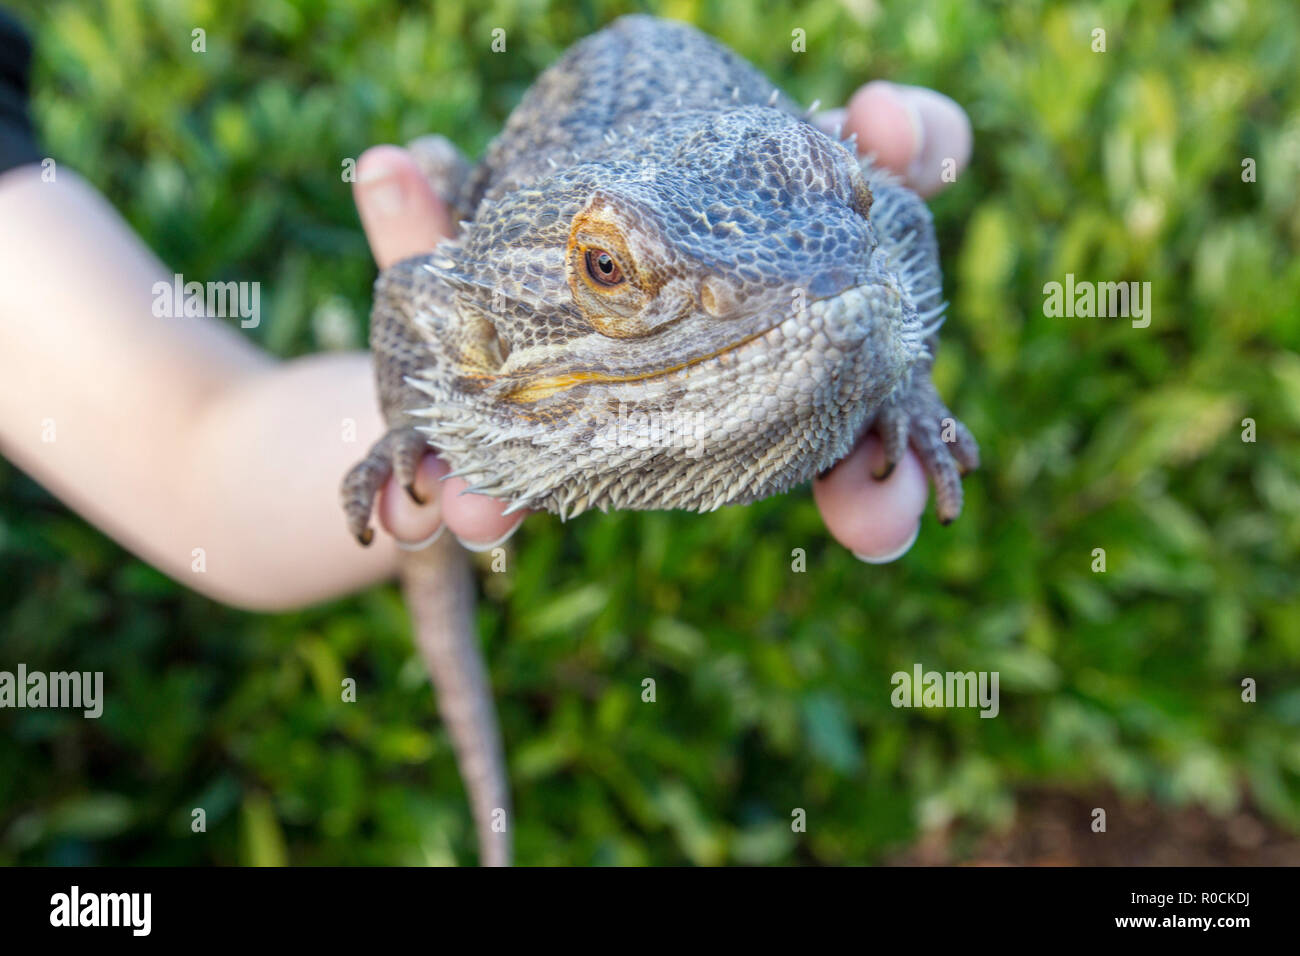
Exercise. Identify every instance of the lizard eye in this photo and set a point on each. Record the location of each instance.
(603, 268)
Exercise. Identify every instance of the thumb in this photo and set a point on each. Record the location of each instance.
(913, 131)
(400, 212)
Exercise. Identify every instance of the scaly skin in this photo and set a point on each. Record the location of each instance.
(671, 290)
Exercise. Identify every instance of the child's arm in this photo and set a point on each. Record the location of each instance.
(171, 434)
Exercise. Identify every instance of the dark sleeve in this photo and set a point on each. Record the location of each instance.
(17, 141)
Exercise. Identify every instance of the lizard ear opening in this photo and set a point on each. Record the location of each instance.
(480, 347)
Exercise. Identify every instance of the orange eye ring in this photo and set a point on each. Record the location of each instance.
(603, 268)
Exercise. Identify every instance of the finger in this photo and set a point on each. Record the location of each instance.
(410, 523)
(918, 133)
(400, 212)
(877, 520)
(476, 520)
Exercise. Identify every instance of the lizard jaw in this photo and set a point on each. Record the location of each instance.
(549, 385)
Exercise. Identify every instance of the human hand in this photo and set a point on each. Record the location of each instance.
(909, 130)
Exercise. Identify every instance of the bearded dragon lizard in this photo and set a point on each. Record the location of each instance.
(656, 231)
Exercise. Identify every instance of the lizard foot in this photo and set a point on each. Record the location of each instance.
(398, 453)
(945, 446)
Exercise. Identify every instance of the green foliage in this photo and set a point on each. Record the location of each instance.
(772, 686)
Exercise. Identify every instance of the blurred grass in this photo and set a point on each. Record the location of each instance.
(772, 686)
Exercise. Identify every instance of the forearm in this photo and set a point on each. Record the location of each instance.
(171, 434)
(266, 458)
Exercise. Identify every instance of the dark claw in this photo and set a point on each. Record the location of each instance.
(398, 451)
(889, 470)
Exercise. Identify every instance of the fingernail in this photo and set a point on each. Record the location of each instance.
(907, 99)
(421, 545)
(477, 547)
(892, 555)
(383, 189)
(949, 130)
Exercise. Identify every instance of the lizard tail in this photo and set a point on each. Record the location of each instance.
(439, 590)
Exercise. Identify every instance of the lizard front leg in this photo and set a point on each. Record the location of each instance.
(398, 453)
(915, 414)
(398, 348)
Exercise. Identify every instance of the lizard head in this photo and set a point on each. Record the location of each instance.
(709, 327)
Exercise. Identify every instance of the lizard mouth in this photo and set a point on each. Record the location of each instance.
(840, 320)
(547, 386)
